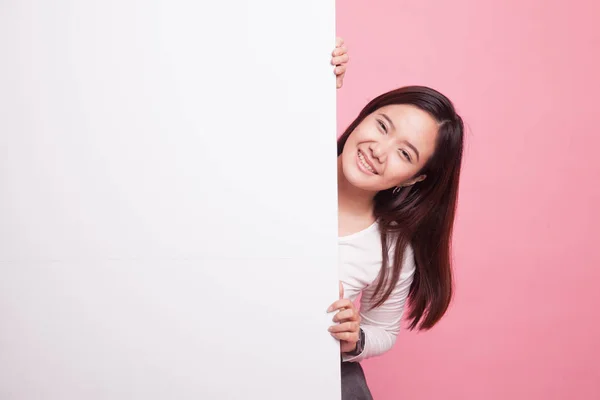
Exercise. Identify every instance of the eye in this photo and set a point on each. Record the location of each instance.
(382, 125)
(406, 155)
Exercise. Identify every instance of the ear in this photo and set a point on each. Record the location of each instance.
(414, 180)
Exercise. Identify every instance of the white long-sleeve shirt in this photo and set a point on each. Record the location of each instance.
(359, 265)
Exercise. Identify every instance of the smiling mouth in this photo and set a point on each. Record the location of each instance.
(363, 162)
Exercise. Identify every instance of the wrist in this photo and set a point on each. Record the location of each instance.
(359, 345)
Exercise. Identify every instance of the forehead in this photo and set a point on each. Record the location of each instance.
(409, 119)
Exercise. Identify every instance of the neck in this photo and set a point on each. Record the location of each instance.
(352, 200)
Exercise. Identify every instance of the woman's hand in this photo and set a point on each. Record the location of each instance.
(339, 58)
(348, 318)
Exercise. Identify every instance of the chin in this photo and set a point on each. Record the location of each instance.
(357, 179)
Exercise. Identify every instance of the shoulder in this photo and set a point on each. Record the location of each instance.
(394, 304)
(408, 258)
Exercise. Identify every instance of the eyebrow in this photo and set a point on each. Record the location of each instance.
(409, 144)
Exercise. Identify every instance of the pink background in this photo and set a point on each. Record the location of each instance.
(524, 75)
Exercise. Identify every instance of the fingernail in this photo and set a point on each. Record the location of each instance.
(329, 329)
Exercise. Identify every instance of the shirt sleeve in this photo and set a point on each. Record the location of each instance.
(382, 324)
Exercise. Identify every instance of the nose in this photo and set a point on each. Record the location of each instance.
(379, 152)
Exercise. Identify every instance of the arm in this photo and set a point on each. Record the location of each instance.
(382, 324)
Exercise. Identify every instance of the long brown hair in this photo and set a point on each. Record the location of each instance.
(421, 215)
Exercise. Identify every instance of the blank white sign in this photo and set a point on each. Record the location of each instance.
(168, 223)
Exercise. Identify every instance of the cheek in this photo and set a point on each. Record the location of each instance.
(361, 134)
(347, 159)
(347, 152)
(350, 147)
(398, 171)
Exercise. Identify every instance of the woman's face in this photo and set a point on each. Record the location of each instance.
(389, 147)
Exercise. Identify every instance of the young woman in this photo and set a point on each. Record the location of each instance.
(398, 175)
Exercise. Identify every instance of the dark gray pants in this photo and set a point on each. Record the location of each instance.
(354, 382)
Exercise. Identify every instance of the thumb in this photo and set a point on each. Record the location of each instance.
(341, 290)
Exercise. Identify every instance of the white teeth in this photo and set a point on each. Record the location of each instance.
(364, 163)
